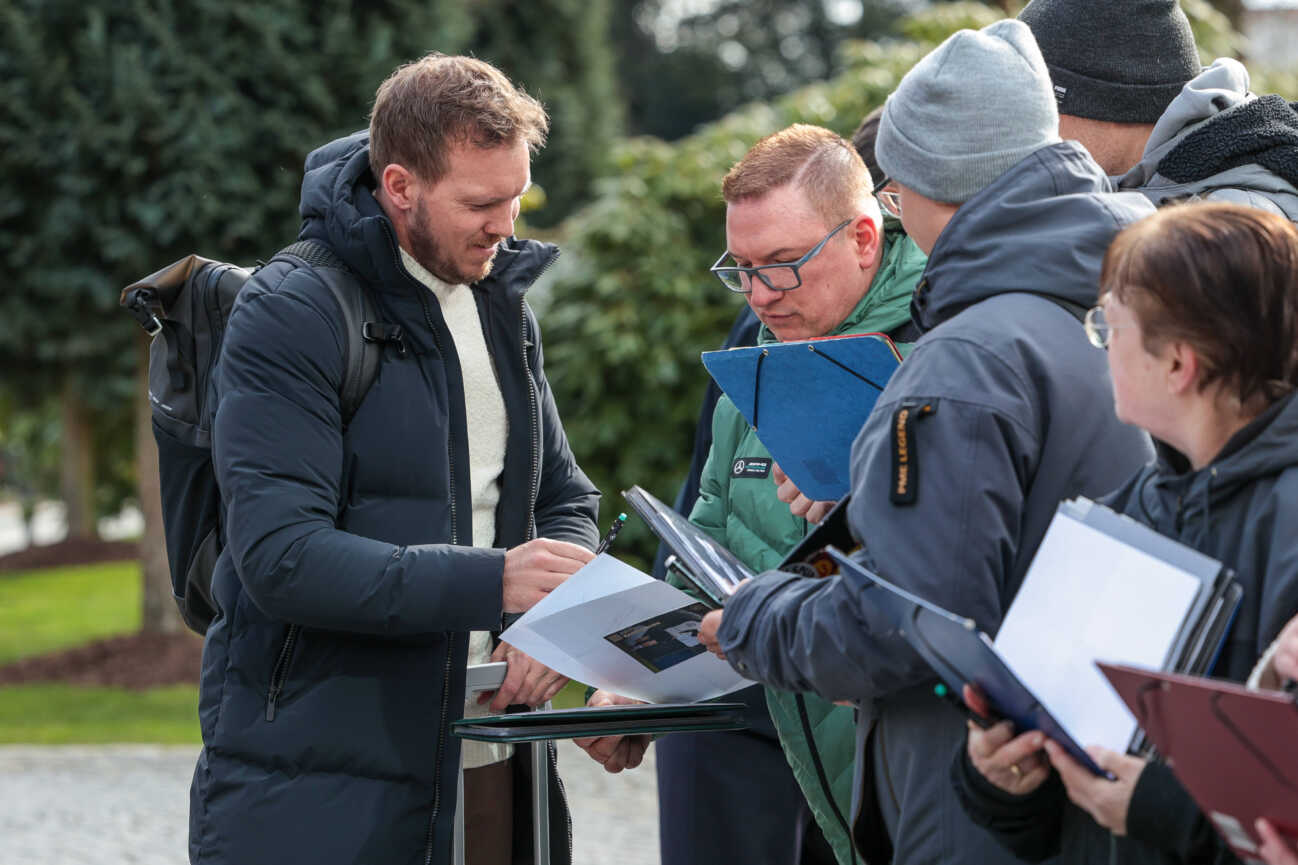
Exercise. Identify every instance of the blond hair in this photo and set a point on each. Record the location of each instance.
(426, 106)
(821, 163)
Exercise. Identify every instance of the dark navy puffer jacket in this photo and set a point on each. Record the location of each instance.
(347, 586)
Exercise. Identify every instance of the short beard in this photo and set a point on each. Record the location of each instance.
(424, 249)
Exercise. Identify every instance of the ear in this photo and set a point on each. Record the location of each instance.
(867, 240)
(1183, 369)
(399, 186)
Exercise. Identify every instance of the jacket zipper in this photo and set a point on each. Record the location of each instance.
(280, 671)
(535, 415)
(455, 539)
(534, 419)
(446, 672)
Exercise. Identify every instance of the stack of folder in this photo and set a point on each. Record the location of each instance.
(1100, 587)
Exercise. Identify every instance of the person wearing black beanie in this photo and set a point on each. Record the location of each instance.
(1115, 66)
(1122, 61)
(1129, 87)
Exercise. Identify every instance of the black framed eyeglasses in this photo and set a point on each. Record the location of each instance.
(776, 277)
(889, 201)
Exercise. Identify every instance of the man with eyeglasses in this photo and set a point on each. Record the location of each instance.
(807, 247)
(1001, 410)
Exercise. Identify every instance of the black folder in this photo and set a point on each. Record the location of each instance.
(629, 720)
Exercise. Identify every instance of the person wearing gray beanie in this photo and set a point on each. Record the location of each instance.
(968, 111)
(1002, 400)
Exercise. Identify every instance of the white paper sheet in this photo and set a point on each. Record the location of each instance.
(570, 630)
(1089, 597)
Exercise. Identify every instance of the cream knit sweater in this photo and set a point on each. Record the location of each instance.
(488, 426)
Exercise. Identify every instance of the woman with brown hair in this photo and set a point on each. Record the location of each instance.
(1199, 314)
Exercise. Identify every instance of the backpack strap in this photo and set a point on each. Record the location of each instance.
(364, 333)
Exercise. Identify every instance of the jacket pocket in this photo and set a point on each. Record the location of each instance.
(279, 673)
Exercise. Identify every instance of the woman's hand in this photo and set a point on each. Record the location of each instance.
(1106, 801)
(1014, 764)
(1274, 850)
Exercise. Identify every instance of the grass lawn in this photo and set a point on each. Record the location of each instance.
(56, 714)
(57, 608)
(41, 611)
(61, 607)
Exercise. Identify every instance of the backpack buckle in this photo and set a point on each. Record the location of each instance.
(381, 332)
(138, 305)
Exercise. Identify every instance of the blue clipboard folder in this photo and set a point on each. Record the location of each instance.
(961, 654)
(807, 400)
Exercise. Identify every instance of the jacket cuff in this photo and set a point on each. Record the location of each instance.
(1029, 825)
(1163, 815)
(743, 608)
(464, 592)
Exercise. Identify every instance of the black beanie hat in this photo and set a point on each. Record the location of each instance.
(1118, 60)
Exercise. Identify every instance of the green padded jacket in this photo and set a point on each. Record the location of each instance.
(744, 514)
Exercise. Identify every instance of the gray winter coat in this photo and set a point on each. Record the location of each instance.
(1010, 410)
(1216, 141)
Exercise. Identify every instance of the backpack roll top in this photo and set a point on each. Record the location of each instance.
(184, 308)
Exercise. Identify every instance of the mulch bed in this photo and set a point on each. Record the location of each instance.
(135, 661)
(74, 551)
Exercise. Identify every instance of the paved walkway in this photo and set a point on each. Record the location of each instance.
(119, 804)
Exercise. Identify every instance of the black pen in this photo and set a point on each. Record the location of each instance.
(607, 540)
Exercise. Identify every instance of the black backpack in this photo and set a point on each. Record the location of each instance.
(184, 307)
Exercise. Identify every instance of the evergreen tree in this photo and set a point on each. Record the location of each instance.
(132, 133)
(559, 52)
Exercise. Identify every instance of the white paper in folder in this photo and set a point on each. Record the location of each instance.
(1086, 597)
(614, 627)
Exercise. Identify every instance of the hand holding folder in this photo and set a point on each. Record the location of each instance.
(1100, 585)
(1234, 750)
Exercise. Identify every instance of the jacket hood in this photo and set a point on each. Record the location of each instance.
(886, 305)
(1218, 88)
(338, 207)
(1217, 137)
(1041, 228)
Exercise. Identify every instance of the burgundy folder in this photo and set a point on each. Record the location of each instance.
(1234, 750)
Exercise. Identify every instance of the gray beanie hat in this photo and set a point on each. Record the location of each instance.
(1117, 60)
(973, 107)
